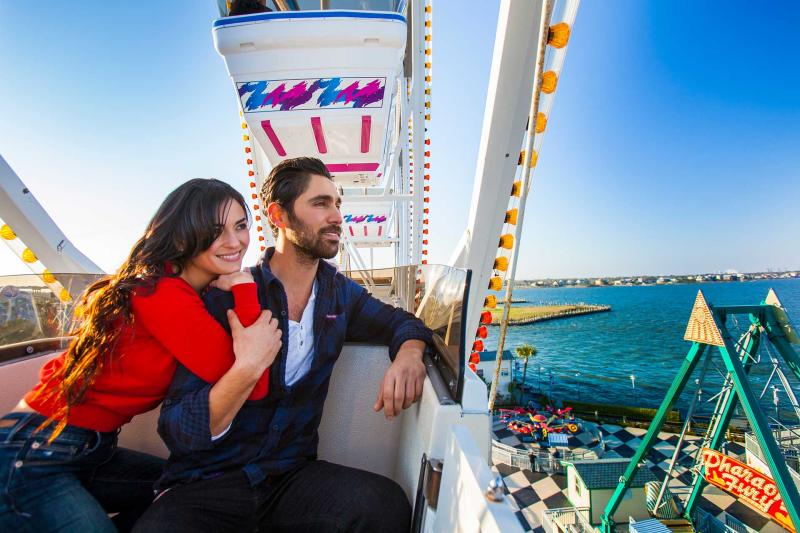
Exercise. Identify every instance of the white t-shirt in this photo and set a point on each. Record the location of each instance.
(300, 353)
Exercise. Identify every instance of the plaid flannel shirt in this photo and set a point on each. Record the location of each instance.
(272, 435)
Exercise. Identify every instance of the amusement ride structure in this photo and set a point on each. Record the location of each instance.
(708, 329)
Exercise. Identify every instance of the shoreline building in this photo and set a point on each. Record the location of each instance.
(486, 367)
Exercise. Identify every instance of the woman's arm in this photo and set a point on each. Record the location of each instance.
(256, 348)
(175, 315)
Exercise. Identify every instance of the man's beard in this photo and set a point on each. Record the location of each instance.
(313, 245)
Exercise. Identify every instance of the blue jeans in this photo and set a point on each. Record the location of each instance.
(73, 483)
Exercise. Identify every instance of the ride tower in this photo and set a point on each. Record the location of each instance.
(352, 88)
(776, 496)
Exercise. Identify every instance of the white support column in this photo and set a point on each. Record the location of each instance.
(31, 223)
(516, 49)
(418, 121)
(402, 178)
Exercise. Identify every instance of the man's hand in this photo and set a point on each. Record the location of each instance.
(402, 383)
(226, 281)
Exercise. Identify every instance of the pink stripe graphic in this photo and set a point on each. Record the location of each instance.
(366, 126)
(353, 167)
(365, 231)
(351, 231)
(273, 138)
(316, 125)
(380, 230)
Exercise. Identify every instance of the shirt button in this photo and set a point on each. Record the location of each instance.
(283, 313)
(36, 445)
(18, 464)
(274, 428)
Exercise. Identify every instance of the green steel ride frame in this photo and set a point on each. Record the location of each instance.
(707, 329)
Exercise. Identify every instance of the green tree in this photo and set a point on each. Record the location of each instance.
(525, 352)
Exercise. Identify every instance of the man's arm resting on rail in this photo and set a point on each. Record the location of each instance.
(371, 320)
(402, 384)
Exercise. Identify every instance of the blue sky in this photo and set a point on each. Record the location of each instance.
(673, 145)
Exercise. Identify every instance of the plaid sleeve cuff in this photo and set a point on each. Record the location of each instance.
(414, 330)
(184, 422)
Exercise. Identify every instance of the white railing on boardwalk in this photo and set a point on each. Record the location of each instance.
(705, 522)
(567, 520)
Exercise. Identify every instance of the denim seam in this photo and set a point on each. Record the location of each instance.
(12, 470)
(98, 442)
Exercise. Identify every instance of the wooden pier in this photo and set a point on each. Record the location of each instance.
(519, 316)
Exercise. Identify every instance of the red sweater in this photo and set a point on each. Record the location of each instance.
(170, 325)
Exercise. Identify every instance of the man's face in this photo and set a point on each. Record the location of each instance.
(315, 226)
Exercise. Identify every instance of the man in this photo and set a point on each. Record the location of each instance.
(261, 472)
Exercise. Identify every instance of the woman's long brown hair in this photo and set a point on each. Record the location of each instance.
(186, 224)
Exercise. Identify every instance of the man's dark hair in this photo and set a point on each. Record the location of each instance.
(289, 179)
(247, 7)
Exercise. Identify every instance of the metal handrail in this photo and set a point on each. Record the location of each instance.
(569, 519)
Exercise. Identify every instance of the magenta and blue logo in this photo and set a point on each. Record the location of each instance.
(364, 219)
(320, 93)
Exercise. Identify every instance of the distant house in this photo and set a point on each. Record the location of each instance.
(486, 369)
(591, 483)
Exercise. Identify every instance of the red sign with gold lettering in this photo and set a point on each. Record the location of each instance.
(750, 486)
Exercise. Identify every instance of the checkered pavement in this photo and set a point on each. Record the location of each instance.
(532, 492)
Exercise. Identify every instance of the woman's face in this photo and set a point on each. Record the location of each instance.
(225, 254)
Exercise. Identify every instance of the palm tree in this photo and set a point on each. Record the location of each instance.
(525, 352)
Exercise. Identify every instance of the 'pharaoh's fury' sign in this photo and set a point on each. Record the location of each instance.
(750, 486)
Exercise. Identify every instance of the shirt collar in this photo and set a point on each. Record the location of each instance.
(324, 268)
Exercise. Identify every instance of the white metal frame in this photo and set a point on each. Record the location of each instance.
(516, 50)
(31, 223)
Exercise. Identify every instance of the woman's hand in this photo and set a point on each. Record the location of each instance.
(226, 281)
(255, 346)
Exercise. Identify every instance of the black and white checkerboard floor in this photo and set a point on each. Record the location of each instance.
(532, 492)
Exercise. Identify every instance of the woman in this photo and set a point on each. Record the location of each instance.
(59, 465)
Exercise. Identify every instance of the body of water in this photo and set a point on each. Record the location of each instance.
(592, 357)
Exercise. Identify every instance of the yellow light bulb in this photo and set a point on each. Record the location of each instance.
(549, 82)
(48, 276)
(28, 256)
(558, 36)
(541, 122)
(511, 216)
(7, 233)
